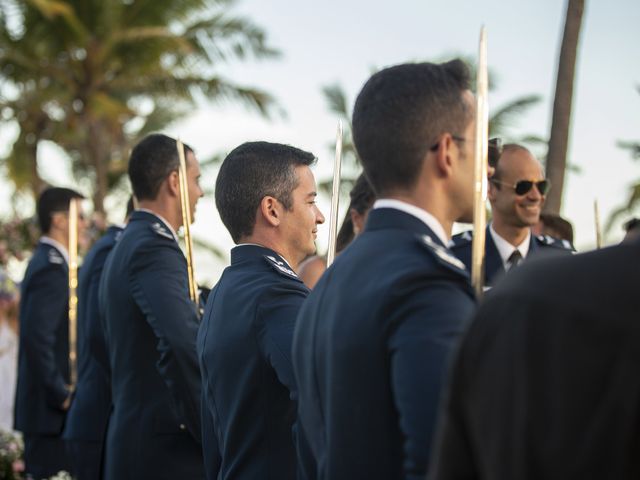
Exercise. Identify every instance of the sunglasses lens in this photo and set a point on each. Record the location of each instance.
(523, 187)
(543, 186)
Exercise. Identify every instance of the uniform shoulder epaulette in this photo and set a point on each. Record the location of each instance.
(161, 230)
(549, 241)
(280, 267)
(55, 257)
(443, 255)
(461, 239)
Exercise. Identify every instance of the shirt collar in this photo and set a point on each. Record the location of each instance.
(428, 219)
(162, 219)
(57, 245)
(505, 249)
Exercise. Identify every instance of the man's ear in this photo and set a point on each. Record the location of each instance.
(492, 191)
(271, 210)
(173, 184)
(443, 156)
(59, 221)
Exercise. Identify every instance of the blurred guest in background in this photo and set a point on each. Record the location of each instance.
(9, 298)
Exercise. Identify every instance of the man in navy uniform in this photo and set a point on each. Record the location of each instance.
(265, 194)
(43, 391)
(516, 191)
(89, 413)
(151, 325)
(373, 339)
(545, 383)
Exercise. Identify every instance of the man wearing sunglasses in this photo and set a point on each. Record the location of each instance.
(517, 192)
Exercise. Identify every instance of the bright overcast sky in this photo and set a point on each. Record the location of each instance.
(342, 41)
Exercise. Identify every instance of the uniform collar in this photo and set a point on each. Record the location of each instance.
(57, 245)
(162, 219)
(426, 218)
(245, 251)
(505, 249)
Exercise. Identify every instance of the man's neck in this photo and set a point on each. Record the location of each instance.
(426, 203)
(514, 235)
(163, 210)
(59, 237)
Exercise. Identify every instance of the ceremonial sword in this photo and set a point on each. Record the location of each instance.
(333, 216)
(481, 169)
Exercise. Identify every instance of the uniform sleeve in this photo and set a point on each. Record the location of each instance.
(42, 314)
(428, 322)
(95, 332)
(159, 287)
(210, 447)
(276, 321)
(452, 457)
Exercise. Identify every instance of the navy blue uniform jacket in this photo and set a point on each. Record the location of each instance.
(244, 346)
(493, 267)
(89, 412)
(151, 325)
(43, 358)
(545, 384)
(371, 350)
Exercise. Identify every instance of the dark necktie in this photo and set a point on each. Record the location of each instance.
(515, 259)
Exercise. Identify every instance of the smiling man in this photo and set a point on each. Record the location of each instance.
(265, 194)
(517, 192)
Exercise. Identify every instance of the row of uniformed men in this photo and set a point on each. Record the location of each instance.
(275, 381)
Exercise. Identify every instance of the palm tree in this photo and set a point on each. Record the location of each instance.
(94, 75)
(634, 191)
(561, 118)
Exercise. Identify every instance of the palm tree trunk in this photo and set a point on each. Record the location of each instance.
(99, 156)
(561, 119)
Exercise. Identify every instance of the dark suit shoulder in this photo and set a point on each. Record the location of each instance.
(442, 256)
(281, 268)
(545, 241)
(461, 240)
(161, 231)
(45, 258)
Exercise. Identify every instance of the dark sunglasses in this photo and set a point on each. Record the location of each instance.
(524, 186)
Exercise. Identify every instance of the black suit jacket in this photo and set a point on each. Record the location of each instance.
(244, 344)
(89, 413)
(43, 358)
(546, 382)
(371, 347)
(539, 245)
(151, 325)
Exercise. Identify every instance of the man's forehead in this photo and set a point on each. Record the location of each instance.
(518, 160)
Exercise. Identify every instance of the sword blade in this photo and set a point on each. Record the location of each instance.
(335, 195)
(481, 170)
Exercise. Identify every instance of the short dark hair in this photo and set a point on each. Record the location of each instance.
(251, 172)
(151, 162)
(400, 113)
(362, 199)
(52, 200)
(509, 147)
